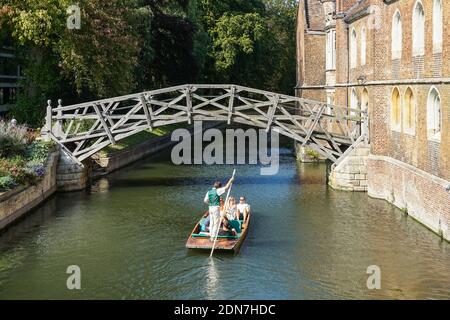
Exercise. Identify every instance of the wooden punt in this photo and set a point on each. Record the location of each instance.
(228, 243)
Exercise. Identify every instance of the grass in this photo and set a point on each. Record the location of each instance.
(139, 138)
(313, 154)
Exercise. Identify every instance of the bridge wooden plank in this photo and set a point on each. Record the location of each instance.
(189, 105)
(312, 146)
(148, 111)
(105, 110)
(67, 151)
(231, 104)
(103, 122)
(212, 102)
(69, 127)
(317, 118)
(126, 117)
(94, 151)
(283, 110)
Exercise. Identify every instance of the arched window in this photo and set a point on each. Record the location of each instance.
(409, 112)
(395, 110)
(397, 36)
(363, 46)
(437, 26)
(331, 49)
(418, 30)
(353, 49)
(434, 115)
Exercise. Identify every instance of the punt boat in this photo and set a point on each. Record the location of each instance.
(227, 243)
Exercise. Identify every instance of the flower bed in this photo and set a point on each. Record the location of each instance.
(22, 156)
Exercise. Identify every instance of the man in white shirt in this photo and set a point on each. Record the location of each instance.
(243, 208)
(212, 199)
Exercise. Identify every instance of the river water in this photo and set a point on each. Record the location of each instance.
(306, 241)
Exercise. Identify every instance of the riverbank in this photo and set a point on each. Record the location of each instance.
(15, 203)
(132, 150)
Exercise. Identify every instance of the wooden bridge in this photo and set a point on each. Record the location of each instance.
(84, 129)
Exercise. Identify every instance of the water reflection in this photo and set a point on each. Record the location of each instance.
(212, 280)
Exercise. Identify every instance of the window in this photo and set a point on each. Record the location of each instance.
(353, 49)
(409, 112)
(8, 96)
(418, 30)
(363, 46)
(434, 115)
(437, 26)
(395, 110)
(397, 36)
(331, 49)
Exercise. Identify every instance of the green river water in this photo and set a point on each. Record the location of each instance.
(306, 241)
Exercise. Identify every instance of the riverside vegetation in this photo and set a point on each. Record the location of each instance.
(22, 157)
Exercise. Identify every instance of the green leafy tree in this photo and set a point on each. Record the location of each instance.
(97, 60)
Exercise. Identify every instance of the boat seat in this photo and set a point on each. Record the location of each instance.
(196, 235)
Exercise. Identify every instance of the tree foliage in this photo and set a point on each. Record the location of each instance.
(129, 45)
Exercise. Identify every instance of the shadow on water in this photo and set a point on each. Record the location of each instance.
(29, 222)
(191, 181)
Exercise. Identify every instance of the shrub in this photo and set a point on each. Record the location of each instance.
(37, 151)
(26, 168)
(13, 139)
(7, 183)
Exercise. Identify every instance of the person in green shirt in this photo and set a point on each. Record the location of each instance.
(212, 199)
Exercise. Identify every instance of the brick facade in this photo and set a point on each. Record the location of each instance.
(424, 159)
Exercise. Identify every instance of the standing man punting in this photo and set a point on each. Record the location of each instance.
(212, 198)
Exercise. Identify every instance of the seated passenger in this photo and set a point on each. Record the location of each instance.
(243, 208)
(204, 223)
(230, 226)
(231, 211)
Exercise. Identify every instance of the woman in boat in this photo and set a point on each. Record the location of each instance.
(231, 211)
(230, 218)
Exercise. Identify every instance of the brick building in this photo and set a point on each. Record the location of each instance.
(391, 58)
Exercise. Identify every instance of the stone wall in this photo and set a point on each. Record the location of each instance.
(423, 196)
(351, 173)
(120, 159)
(15, 203)
(70, 175)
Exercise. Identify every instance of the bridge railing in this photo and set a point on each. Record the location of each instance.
(84, 129)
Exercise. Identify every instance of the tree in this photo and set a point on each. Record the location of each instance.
(128, 45)
(97, 60)
(167, 37)
(250, 42)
